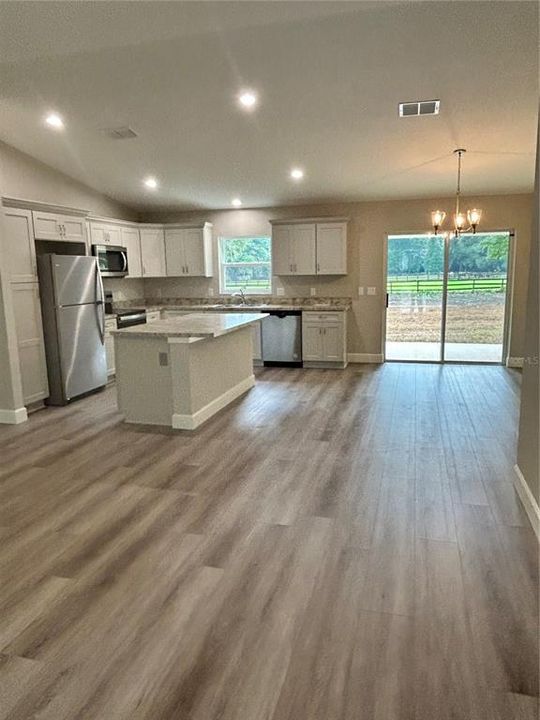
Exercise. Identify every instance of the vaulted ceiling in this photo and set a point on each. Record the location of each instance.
(329, 78)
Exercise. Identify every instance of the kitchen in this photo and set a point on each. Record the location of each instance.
(221, 498)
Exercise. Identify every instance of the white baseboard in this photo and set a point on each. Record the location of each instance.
(190, 422)
(514, 362)
(365, 357)
(528, 500)
(13, 417)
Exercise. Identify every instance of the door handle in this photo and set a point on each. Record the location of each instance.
(387, 299)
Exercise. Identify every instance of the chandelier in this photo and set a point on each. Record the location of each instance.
(463, 223)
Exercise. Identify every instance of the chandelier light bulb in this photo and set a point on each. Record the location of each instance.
(437, 219)
(459, 221)
(474, 216)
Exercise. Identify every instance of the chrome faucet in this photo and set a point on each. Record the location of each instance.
(242, 296)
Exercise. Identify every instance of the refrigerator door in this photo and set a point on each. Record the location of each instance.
(76, 280)
(81, 349)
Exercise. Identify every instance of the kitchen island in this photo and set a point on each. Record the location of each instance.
(179, 372)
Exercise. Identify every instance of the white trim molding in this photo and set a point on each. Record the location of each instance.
(528, 500)
(190, 422)
(365, 357)
(13, 417)
(514, 362)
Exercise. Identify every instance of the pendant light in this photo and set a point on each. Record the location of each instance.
(463, 222)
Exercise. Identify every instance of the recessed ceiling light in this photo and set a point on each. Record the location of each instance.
(297, 174)
(151, 183)
(248, 99)
(55, 121)
(236, 202)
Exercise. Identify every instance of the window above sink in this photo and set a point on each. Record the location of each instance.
(245, 264)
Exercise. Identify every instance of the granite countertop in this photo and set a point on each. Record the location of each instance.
(194, 325)
(342, 306)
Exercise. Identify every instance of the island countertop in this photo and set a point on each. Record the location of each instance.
(194, 325)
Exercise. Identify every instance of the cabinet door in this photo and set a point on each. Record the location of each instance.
(303, 249)
(331, 248)
(194, 251)
(281, 250)
(109, 352)
(312, 341)
(47, 226)
(103, 234)
(174, 251)
(29, 331)
(73, 229)
(19, 246)
(153, 252)
(333, 345)
(256, 341)
(129, 238)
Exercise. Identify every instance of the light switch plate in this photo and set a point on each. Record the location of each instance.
(372, 291)
(313, 292)
(360, 290)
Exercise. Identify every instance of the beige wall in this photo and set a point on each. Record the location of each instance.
(529, 432)
(25, 178)
(369, 224)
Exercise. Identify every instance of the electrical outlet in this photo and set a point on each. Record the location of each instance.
(280, 291)
(313, 292)
(372, 291)
(360, 290)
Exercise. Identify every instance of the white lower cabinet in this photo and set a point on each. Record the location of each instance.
(109, 346)
(29, 329)
(256, 343)
(324, 339)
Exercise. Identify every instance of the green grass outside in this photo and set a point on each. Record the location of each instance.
(463, 285)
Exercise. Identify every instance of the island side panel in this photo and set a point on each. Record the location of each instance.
(219, 371)
(143, 384)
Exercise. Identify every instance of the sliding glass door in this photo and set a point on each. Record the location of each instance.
(446, 297)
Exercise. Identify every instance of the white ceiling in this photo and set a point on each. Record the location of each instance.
(329, 75)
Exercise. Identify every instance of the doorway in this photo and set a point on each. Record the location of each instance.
(447, 297)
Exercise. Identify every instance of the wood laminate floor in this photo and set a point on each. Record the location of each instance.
(336, 545)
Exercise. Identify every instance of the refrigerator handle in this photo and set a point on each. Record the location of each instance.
(100, 305)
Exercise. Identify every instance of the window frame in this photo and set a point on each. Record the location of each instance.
(222, 265)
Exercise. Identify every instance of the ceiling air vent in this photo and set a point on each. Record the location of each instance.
(419, 107)
(120, 133)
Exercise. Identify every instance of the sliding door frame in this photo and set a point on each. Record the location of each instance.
(508, 300)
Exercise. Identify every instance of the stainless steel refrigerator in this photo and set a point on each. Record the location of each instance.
(72, 303)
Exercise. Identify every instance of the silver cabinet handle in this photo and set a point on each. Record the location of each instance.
(318, 267)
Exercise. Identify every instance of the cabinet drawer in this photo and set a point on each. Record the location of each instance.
(325, 317)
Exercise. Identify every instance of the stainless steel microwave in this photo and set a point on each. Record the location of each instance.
(112, 260)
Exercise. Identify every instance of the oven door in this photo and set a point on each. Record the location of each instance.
(112, 260)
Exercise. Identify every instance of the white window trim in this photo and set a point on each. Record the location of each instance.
(221, 265)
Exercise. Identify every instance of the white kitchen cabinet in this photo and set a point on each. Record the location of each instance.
(324, 339)
(110, 324)
(153, 252)
(129, 238)
(31, 349)
(294, 249)
(332, 248)
(54, 226)
(256, 343)
(102, 233)
(19, 247)
(309, 248)
(188, 251)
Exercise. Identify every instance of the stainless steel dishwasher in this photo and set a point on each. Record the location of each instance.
(282, 338)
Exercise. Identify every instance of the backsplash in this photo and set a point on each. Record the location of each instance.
(341, 303)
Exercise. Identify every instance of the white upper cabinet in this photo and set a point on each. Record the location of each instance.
(310, 248)
(19, 246)
(53, 226)
(105, 234)
(152, 251)
(294, 249)
(129, 238)
(332, 248)
(188, 251)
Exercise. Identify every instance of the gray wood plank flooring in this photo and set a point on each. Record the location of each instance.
(336, 545)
